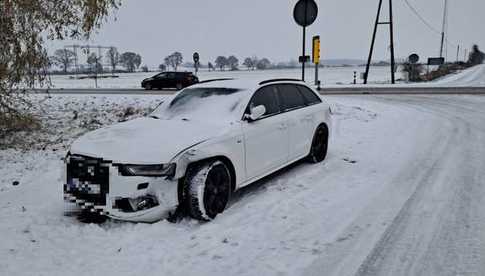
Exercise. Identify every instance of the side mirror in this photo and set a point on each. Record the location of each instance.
(257, 112)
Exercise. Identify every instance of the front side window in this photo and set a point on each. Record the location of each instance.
(290, 97)
(266, 96)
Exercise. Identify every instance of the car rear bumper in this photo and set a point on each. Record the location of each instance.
(94, 185)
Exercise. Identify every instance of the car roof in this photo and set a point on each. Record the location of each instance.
(245, 84)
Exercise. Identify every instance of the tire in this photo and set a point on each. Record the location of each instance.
(148, 87)
(318, 151)
(207, 190)
(179, 86)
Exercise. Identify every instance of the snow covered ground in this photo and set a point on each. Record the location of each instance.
(328, 76)
(401, 193)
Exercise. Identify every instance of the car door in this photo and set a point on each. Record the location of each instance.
(266, 139)
(294, 106)
(170, 81)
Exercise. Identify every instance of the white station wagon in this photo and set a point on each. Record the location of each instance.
(196, 149)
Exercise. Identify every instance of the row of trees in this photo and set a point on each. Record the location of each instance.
(65, 58)
(175, 60)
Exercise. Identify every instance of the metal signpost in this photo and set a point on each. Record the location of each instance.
(196, 62)
(305, 13)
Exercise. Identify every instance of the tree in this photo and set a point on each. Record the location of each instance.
(113, 58)
(263, 64)
(221, 62)
(24, 28)
(162, 67)
(95, 63)
(248, 62)
(63, 58)
(233, 63)
(130, 61)
(174, 60)
(476, 56)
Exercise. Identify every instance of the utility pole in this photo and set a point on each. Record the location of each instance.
(391, 26)
(458, 53)
(443, 30)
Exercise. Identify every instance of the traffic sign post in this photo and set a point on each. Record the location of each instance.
(305, 13)
(316, 56)
(196, 58)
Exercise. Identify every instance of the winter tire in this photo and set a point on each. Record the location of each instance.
(148, 87)
(179, 86)
(207, 190)
(318, 151)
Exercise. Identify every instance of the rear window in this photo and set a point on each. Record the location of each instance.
(310, 96)
(290, 96)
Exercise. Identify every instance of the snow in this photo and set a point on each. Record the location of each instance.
(401, 193)
(470, 77)
(328, 76)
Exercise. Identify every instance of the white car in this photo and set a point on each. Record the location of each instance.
(196, 149)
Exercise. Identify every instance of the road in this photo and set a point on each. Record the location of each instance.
(359, 90)
(439, 229)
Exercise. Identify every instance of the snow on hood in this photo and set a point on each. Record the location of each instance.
(144, 140)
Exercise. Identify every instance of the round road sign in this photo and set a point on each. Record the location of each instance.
(196, 57)
(305, 12)
(414, 58)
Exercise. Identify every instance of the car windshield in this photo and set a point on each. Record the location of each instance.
(202, 104)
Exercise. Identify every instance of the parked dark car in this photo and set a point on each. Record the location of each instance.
(178, 80)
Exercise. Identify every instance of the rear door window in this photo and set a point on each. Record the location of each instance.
(290, 97)
(310, 96)
(266, 96)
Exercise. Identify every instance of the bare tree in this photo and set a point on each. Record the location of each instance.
(248, 62)
(233, 63)
(130, 61)
(24, 28)
(263, 64)
(221, 62)
(113, 58)
(174, 60)
(95, 63)
(63, 58)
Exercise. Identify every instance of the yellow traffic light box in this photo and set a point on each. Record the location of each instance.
(316, 50)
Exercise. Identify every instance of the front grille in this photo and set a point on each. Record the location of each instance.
(87, 182)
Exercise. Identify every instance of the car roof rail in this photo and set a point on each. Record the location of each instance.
(213, 80)
(278, 80)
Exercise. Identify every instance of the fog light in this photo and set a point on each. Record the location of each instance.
(143, 203)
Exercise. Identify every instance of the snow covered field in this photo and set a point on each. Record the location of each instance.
(401, 193)
(328, 76)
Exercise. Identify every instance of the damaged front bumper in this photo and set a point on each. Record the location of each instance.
(96, 186)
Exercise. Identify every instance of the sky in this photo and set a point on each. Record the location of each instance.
(266, 28)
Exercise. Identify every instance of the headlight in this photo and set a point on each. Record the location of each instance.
(148, 170)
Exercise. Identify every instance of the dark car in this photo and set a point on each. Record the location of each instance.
(177, 80)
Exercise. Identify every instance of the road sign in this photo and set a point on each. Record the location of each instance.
(316, 50)
(436, 61)
(305, 12)
(196, 57)
(414, 58)
(303, 59)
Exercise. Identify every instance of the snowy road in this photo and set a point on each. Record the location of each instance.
(402, 193)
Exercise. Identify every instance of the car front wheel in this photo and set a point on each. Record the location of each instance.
(318, 151)
(207, 190)
(148, 86)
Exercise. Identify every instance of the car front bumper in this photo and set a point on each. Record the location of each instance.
(96, 186)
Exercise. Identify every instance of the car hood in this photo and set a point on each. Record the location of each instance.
(144, 140)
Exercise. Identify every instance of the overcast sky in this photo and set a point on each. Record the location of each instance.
(266, 28)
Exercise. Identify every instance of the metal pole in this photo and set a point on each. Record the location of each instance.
(458, 53)
(391, 25)
(303, 56)
(316, 73)
(445, 15)
(369, 60)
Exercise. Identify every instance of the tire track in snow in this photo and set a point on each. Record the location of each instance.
(440, 234)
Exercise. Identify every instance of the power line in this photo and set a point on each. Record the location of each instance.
(425, 22)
